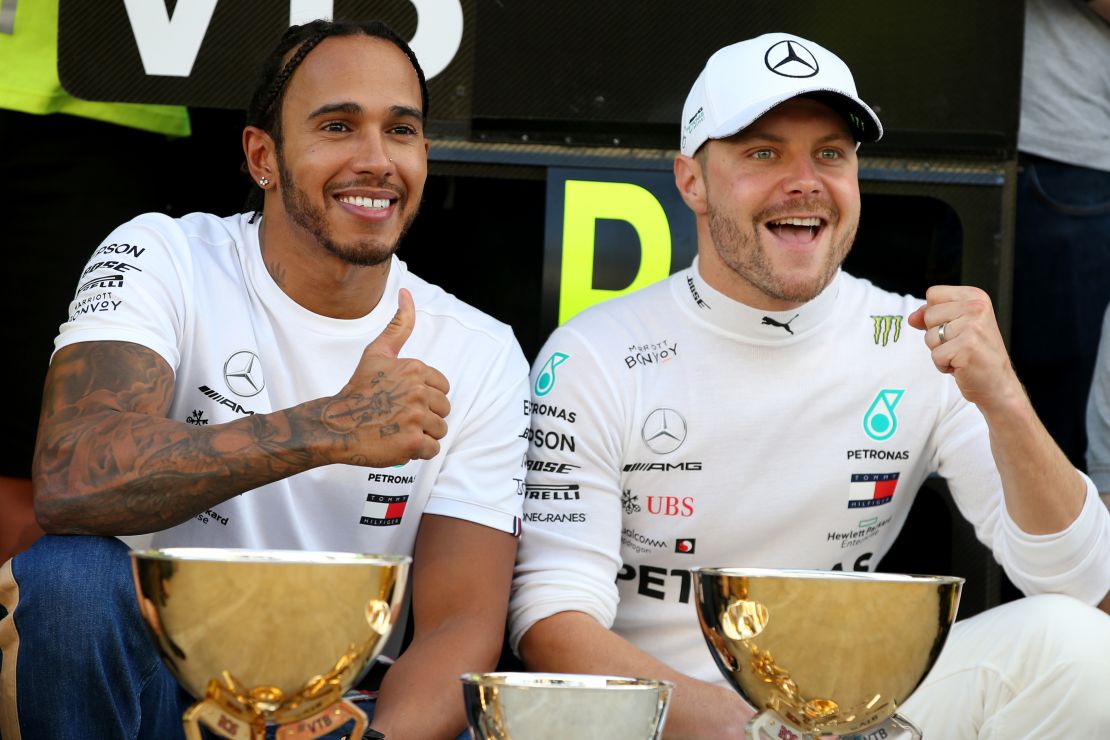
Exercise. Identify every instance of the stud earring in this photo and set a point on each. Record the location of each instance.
(264, 181)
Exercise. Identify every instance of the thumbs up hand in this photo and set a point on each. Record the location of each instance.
(392, 410)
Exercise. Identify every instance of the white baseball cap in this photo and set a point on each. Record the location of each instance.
(743, 81)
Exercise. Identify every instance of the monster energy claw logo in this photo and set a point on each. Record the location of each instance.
(880, 423)
(884, 326)
(545, 381)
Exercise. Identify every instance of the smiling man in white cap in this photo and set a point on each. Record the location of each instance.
(762, 408)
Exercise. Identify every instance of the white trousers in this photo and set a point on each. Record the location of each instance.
(1038, 667)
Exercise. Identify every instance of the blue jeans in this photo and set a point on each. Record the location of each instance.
(1061, 289)
(86, 667)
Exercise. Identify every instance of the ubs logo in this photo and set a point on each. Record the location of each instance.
(790, 59)
(243, 374)
(664, 431)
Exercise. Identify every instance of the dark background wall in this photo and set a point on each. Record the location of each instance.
(592, 85)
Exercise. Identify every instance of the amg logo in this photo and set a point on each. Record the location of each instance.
(224, 400)
(108, 281)
(662, 467)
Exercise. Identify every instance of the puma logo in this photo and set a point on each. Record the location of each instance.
(768, 321)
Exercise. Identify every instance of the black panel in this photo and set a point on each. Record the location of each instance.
(582, 72)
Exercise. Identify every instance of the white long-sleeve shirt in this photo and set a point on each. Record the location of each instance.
(674, 427)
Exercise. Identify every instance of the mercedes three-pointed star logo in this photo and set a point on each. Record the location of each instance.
(243, 374)
(791, 59)
(664, 431)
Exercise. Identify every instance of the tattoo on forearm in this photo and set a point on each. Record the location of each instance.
(108, 450)
(345, 415)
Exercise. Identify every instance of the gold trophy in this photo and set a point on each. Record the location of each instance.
(268, 636)
(824, 653)
(557, 706)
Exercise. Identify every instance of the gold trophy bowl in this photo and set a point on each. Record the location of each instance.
(556, 706)
(824, 652)
(268, 636)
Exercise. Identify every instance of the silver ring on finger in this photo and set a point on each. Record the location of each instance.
(940, 332)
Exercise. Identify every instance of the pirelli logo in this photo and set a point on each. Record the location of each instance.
(888, 329)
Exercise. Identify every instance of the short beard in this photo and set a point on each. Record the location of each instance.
(366, 253)
(744, 254)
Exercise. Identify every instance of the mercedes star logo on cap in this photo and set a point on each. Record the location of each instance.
(791, 59)
(664, 431)
(243, 374)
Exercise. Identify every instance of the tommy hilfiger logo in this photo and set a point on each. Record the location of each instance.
(383, 511)
(871, 489)
(768, 321)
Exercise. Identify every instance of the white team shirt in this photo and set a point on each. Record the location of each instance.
(674, 427)
(195, 290)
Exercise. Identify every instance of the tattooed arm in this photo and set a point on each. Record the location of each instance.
(108, 461)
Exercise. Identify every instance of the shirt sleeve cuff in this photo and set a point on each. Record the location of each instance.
(1073, 561)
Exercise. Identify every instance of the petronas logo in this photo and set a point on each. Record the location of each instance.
(879, 422)
(545, 381)
(888, 329)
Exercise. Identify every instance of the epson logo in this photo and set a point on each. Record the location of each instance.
(550, 440)
(133, 249)
(661, 467)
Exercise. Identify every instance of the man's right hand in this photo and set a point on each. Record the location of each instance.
(392, 410)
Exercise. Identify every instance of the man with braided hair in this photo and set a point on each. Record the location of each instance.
(274, 379)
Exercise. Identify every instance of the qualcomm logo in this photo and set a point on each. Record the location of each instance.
(664, 431)
(879, 422)
(243, 374)
(545, 381)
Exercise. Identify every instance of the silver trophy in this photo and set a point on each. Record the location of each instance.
(558, 706)
(824, 653)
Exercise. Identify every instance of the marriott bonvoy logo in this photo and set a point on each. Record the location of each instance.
(655, 353)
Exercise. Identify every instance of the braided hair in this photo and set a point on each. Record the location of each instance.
(264, 109)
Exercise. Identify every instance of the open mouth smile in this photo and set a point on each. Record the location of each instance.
(360, 201)
(796, 229)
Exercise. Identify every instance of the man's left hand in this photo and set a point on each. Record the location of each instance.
(962, 332)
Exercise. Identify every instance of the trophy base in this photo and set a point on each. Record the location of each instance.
(225, 721)
(768, 725)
